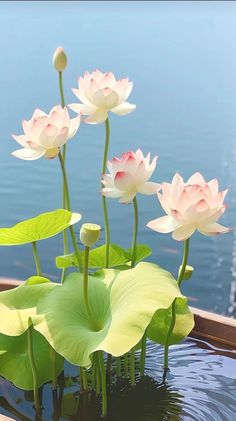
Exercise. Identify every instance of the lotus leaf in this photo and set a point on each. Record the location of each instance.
(122, 304)
(43, 226)
(158, 328)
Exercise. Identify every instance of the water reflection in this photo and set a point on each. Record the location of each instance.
(200, 387)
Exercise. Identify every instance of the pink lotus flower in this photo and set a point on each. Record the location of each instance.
(101, 92)
(45, 134)
(191, 206)
(129, 175)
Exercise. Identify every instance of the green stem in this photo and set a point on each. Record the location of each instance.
(173, 309)
(132, 367)
(98, 377)
(54, 374)
(109, 363)
(81, 380)
(104, 203)
(94, 373)
(86, 264)
(85, 380)
(61, 90)
(64, 202)
(135, 233)
(76, 250)
(126, 365)
(104, 383)
(33, 368)
(143, 354)
(118, 367)
(36, 259)
(184, 262)
(171, 328)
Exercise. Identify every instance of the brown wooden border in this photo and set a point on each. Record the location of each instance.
(215, 327)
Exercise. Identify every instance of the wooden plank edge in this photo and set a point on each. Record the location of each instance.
(215, 327)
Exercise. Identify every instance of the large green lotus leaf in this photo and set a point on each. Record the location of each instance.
(43, 226)
(19, 304)
(158, 328)
(142, 251)
(122, 304)
(15, 364)
(117, 256)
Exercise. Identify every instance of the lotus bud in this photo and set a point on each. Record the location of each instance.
(89, 234)
(187, 273)
(60, 59)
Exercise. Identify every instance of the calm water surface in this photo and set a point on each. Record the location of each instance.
(200, 387)
(182, 59)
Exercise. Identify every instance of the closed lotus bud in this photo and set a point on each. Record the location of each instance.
(60, 59)
(188, 272)
(89, 234)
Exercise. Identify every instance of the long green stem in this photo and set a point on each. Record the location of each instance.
(81, 380)
(64, 202)
(76, 250)
(61, 90)
(36, 258)
(104, 383)
(118, 367)
(135, 233)
(132, 367)
(54, 374)
(86, 263)
(126, 365)
(98, 376)
(85, 380)
(143, 354)
(104, 203)
(173, 310)
(33, 368)
(184, 262)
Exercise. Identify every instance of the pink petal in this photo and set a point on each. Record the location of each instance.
(127, 197)
(74, 125)
(28, 154)
(124, 181)
(196, 178)
(109, 192)
(98, 117)
(124, 108)
(149, 188)
(164, 224)
(22, 139)
(212, 229)
(184, 232)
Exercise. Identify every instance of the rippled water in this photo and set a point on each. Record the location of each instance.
(182, 59)
(201, 386)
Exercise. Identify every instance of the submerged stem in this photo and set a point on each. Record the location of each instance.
(104, 383)
(118, 367)
(143, 354)
(33, 368)
(135, 233)
(173, 308)
(36, 258)
(54, 374)
(132, 367)
(104, 203)
(126, 365)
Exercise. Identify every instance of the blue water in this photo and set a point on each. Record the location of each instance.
(182, 59)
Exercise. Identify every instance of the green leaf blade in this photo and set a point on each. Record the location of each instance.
(122, 304)
(43, 226)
